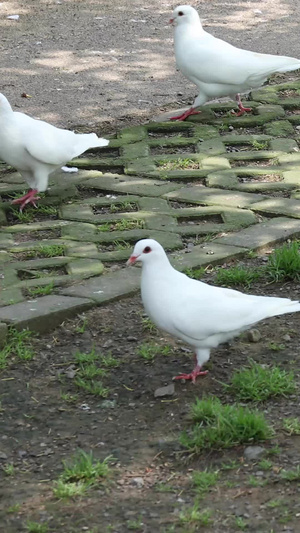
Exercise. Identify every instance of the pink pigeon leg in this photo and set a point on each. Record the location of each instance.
(242, 109)
(193, 375)
(186, 114)
(28, 198)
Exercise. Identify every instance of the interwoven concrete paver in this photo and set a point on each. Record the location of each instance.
(203, 188)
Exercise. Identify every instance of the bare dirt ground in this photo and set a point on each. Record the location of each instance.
(90, 63)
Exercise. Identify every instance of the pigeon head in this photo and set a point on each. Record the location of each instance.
(146, 250)
(184, 15)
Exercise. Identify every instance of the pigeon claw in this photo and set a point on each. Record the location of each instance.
(28, 198)
(241, 111)
(193, 375)
(186, 114)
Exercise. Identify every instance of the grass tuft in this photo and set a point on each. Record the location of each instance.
(36, 527)
(40, 291)
(284, 263)
(18, 345)
(195, 517)
(219, 426)
(291, 475)
(204, 480)
(238, 276)
(292, 426)
(259, 383)
(148, 351)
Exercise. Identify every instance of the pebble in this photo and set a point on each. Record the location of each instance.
(169, 390)
(137, 482)
(108, 404)
(254, 335)
(3, 455)
(252, 453)
(286, 337)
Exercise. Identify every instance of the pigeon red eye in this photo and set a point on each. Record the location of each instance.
(147, 250)
(180, 14)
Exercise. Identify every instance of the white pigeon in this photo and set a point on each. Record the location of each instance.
(202, 315)
(216, 67)
(36, 148)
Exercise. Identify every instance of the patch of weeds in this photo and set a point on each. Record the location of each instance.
(13, 508)
(148, 324)
(254, 481)
(251, 254)
(292, 426)
(284, 263)
(47, 210)
(82, 325)
(204, 480)
(92, 387)
(265, 464)
(238, 276)
(9, 469)
(84, 467)
(275, 346)
(91, 371)
(63, 489)
(89, 357)
(108, 361)
(134, 525)
(195, 273)
(18, 345)
(276, 450)
(291, 475)
(51, 250)
(124, 224)
(286, 516)
(240, 523)
(36, 527)
(256, 145)
(24, 216)
(180, 164)
(104, 227)
(69, 398)
(219, 426)
(122, 245)
(40, 291)
(273, 504)
(259, 383)
(195, 517)
(230, 465)
(124, 206)
(148, 351)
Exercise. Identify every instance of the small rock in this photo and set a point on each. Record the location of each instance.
(108, 404)
(254, 335)
(131, 338)
(286, 337)
(169, 390)
(251, 453)
(3, 456)
(137, 482)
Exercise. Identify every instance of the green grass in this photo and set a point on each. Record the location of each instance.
(284, 263)
(256, 145)
(51, 250)
(104, 227)
(62, 489)
(124, 224)
(108, 361)
(196, 517)
(92, 387)
(124, 206)
(148, 351)
(9, 469)
(18, 345)
(47, 209)
(36, 527)
(148, 324)
(89, 357)
(275, 346)
(135, 525)
(195, 273)
(24, 216)
(291, 475)
(259, 383)
(291, 426)
(69, 398)
(40, 291)
(84, 467)
(265, 464)
(179, 164)
(122, 245)
(90, 371)
(82, 325)
(217, 426)
(204, 480)
(238, 276)
(254, 481)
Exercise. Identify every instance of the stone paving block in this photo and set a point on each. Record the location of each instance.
(131, 185)
(233, 179)
(290, 160)
(206, 254)
(3, 334)
(43, 314)
(205, 196)
(279, 128)
(136, 150)
(285, 145)
(212, 147)
(112, 286)
(263, 234)
(85, 268)
(133, 134)
(278, 206)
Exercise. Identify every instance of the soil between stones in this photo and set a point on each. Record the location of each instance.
(40, 429)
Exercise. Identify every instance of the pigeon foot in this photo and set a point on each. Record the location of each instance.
(242, 109)
(28, 198)
(193, 375)
(186, 114)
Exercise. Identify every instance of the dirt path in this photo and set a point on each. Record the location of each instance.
(87, 62)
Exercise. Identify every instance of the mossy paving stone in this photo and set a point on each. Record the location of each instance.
(224, 190)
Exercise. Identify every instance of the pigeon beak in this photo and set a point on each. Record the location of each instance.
(132, 259)
(171, 21)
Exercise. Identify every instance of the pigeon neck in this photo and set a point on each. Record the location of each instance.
(159, 267)
(193, 29)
